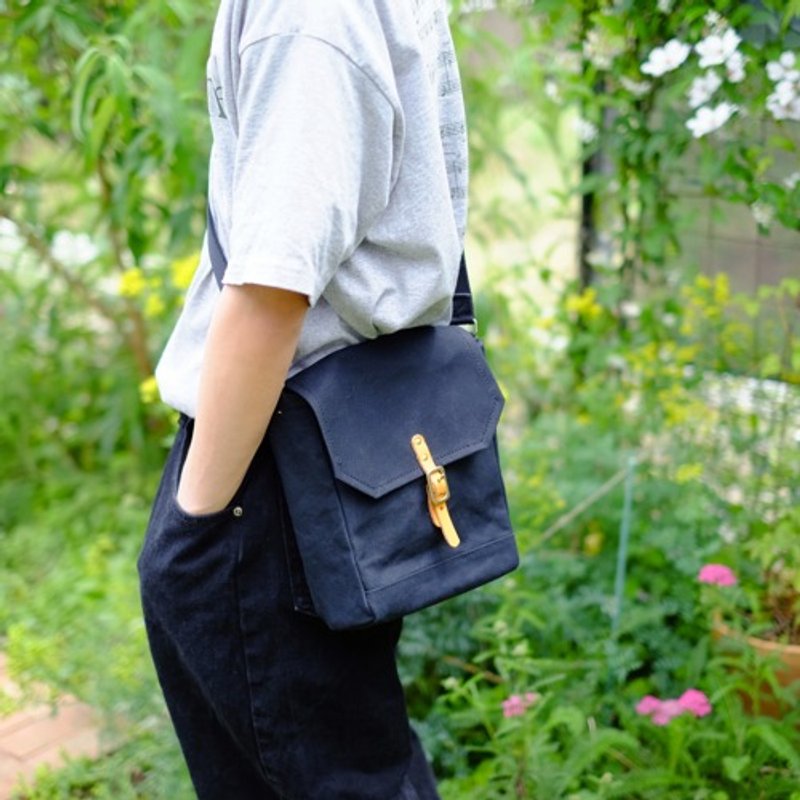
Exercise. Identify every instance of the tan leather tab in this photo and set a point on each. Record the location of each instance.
(445, 522)
(438, 490)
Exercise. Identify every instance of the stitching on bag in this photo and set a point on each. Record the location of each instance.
(454, 557)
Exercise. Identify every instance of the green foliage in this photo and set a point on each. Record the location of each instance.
(104, 141)
(103, 134)
(147, 768)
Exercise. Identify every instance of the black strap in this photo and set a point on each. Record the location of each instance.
(463, 308)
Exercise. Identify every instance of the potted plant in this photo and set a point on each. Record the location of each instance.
(760, 612)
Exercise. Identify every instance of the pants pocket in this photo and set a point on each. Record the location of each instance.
(182, 551)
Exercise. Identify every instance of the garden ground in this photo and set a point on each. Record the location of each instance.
(42, 734)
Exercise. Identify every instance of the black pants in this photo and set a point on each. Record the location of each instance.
(267, 702)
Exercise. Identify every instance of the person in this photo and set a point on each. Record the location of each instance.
(337, 185)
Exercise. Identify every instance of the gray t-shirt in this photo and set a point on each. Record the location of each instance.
(338, 170)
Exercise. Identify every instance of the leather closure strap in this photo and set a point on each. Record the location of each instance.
(438, 490)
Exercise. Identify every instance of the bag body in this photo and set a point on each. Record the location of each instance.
(356, 492)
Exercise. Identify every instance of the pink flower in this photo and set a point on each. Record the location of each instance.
(718, 574)
(516, 706)
(667, 711)
(662, 712)
(647, 705)
(695, 702)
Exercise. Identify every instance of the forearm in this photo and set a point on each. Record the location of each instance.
(251, 342)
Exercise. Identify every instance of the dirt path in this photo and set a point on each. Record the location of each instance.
(41, 735)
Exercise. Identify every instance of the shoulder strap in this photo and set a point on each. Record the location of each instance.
(463, 308)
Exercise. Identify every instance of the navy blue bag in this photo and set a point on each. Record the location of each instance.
(387, 454)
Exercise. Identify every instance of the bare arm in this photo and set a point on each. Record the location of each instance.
(251, 342)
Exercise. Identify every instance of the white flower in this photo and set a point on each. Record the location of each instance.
(632, 403)
(786, 91)
(11, 242)
(616, 362)
(784, 102)
(553, 342)
(600, 50)
(629, 309)
(714, 21)
(717, 49)
(708, 119)
(763, 214)
(552, 91)
(727, 533)
(788, 59)
(703, 88)
(784, 68)
(734, 67)
(792, 181)
(587, 131)
(636, 88)
(667, 58)
(74, 249)
(669, 320)
(665, 6)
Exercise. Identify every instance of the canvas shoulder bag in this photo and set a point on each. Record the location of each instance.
(387, 453)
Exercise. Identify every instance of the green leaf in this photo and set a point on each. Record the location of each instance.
(791, 11)
(778, 743)
(100, 124)
(84, 72)
(735, 768)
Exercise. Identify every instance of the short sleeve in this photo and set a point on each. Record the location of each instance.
(314, 163)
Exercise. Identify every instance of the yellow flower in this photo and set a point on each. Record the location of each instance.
(593, 543)
(183, 271)
(148, 391)
(686, 473)
(154, 307)
(722, 289)
(584, 304)
(132, 282)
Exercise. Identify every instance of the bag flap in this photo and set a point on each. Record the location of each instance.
(371, 398)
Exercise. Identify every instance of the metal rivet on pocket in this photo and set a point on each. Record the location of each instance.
(238, 511)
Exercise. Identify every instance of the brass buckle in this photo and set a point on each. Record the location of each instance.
(438, 488)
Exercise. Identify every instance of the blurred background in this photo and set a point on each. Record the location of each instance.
(635, 241)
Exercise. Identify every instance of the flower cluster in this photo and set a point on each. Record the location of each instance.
(74, 249)
(719, 49)
(784, 102)
(722, 48)
(662, 712)
(516, 705)
(132, 282)
(719, 55)
(717, 574)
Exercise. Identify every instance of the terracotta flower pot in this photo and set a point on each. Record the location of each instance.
(787, 670)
